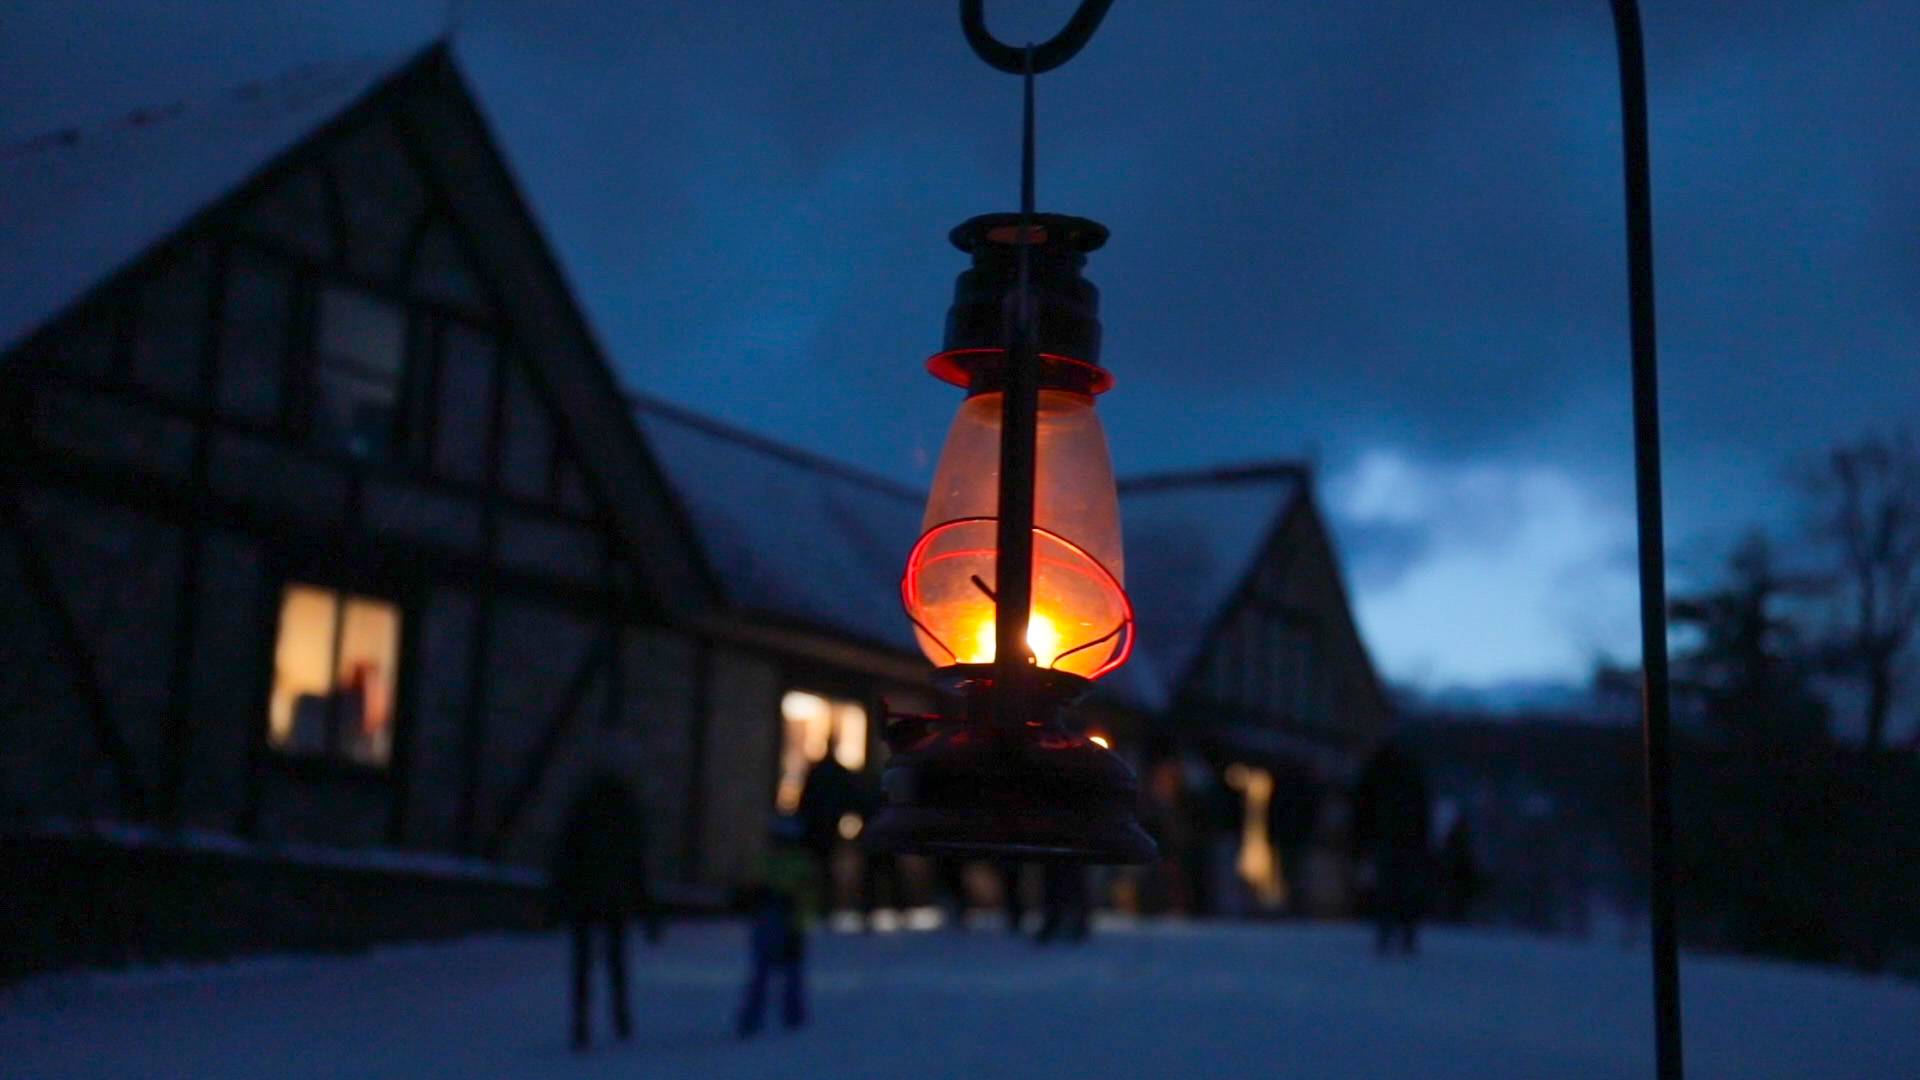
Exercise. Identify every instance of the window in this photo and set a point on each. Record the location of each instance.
(335, 667)
(812, 726)
(1258, 863)
(359, 351)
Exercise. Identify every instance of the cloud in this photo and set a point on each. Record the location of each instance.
(1491, 572)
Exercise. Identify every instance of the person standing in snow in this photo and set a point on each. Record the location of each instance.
(1460, 870)
(1066, 904)
(598, 882)
(783, 906)
(1392, 817)
(830, 792)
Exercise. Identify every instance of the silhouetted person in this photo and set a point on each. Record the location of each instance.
(1461, 870)
(1391, 821)
(1011, 893)
(830, 792)
(1065, 903)
(953, 889)
(783, 904)
(599, 881)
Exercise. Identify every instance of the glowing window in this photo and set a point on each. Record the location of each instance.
(1258, 864)
(335, 667)
(358, 352)
(811, 727)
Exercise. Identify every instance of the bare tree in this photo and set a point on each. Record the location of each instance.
(1866, 508)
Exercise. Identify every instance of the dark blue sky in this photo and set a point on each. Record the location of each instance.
(1385, 235)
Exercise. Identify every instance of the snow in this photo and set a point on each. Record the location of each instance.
(80, 203)
(790, 534)
(1158, 1000)
(206, 841)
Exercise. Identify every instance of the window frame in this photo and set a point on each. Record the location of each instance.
(427, 325)
(331, 762)
(316, 286)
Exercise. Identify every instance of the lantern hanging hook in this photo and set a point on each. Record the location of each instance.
(1047, 55)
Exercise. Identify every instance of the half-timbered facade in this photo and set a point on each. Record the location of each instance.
(325, 521)
(328, 525)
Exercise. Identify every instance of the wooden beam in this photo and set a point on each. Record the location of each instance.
(290, 445)
(186, 619)
(479, 671)
(81, 663)
(604, 650)
(696, 810)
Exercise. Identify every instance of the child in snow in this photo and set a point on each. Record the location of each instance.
(783, 907)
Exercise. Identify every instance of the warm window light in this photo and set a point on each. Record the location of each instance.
(812, 728)
(335, 664)
(1081, 620)
(1258, 864)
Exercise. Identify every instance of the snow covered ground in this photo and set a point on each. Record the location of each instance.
(1170, 1000)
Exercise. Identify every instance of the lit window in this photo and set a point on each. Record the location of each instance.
(358, 352)
(1258, 864)
(335, 667)
(813, 726)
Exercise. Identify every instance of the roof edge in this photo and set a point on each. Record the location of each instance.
(1224, 474)
(784, 451)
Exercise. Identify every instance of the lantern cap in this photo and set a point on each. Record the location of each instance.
(983, 322)
(1048, 232)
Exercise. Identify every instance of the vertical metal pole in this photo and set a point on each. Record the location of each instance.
(1019, 419)
(1656, 712)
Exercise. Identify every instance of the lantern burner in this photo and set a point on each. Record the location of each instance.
(960, 785)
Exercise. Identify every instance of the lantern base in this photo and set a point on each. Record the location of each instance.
(971, 789)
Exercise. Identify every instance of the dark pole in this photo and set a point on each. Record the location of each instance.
(1655, 703)
(1019, 419)
(1020, 406)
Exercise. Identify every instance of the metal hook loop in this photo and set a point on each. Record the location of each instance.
(1048, 55)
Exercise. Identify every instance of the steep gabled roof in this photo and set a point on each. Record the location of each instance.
(790, 534)
(1192, 540)
(79, 204)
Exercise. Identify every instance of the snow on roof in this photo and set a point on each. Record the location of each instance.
(790, 534)
(819, 543)
(80, 204)
(1192, 539)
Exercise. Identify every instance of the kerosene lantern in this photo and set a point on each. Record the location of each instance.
(1002, 770)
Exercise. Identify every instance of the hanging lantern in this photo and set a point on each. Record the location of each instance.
(1080, 621)
(1001, 771)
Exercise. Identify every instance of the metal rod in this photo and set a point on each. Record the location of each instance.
(1655, 701)
(1019, 419)
(1034, 59)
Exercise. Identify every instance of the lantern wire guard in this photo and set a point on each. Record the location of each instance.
(1000, 772)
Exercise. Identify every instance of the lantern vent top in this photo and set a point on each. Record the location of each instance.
(991, 234)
